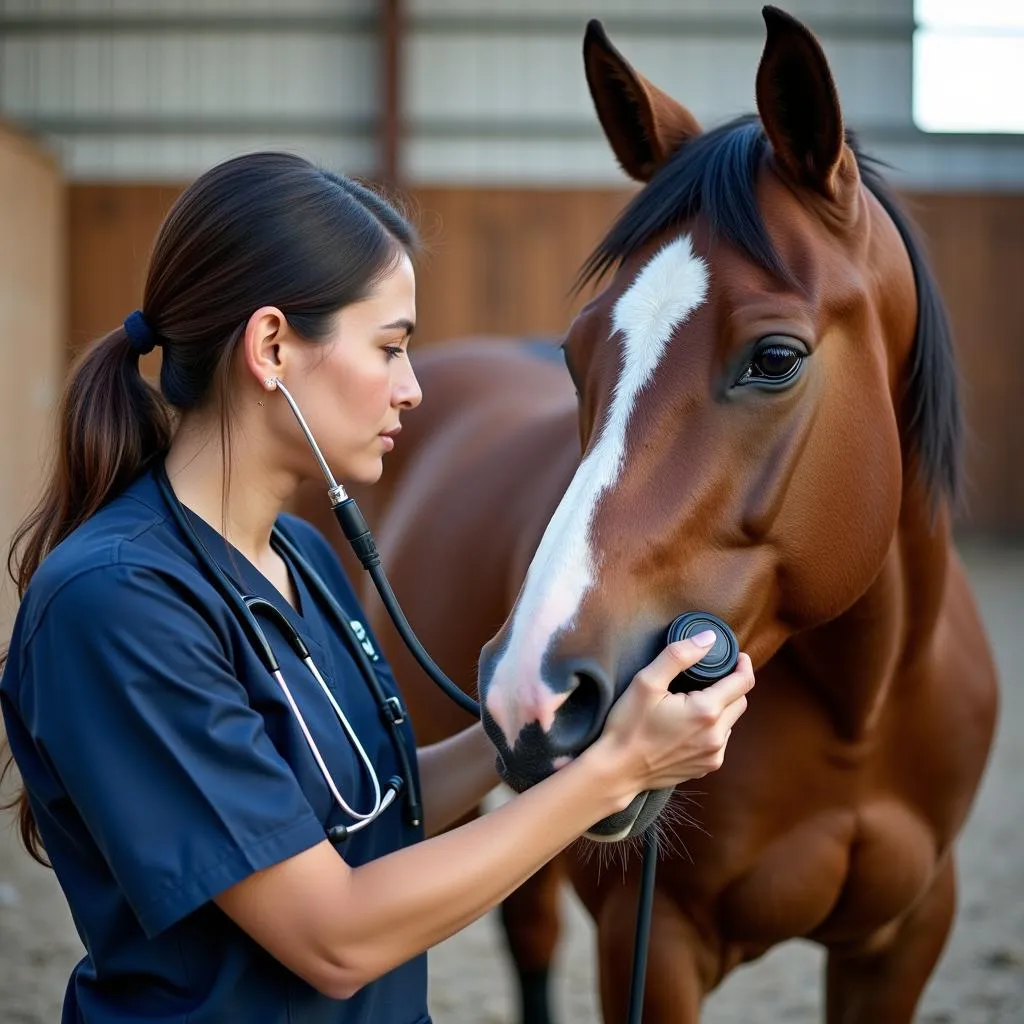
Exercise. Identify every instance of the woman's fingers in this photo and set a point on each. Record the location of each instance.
(731, 715)
(675, 658)
(727, 690)
(666, 738)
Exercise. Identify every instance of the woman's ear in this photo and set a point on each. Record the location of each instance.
(264, 344)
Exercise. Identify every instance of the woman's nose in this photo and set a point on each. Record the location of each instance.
(407, 392)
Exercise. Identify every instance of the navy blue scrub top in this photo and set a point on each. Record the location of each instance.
(163, 766)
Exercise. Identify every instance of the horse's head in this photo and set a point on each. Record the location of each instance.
(756, 391)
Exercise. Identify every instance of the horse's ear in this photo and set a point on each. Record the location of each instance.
(799, 105)
(644, 125)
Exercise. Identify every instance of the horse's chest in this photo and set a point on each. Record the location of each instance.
(839, 875)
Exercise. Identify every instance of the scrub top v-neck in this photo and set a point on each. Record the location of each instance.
(163, 766)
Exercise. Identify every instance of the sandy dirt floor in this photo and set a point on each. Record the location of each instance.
(980, 979)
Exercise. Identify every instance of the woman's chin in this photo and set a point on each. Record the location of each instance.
(369, 471)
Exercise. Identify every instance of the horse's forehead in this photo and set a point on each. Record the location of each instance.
(667, 287)
(656, 279)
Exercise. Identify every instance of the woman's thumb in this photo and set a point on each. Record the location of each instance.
(676, 658)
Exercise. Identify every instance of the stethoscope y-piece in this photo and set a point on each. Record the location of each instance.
(250, 609)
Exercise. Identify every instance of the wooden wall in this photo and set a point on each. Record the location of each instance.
(486, 250)
(502, 261)
(976, 244)
(111, 229)
(32, 343)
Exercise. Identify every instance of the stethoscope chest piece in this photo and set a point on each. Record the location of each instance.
(718, 662)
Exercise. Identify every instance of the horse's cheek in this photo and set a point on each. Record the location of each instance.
(848, 493)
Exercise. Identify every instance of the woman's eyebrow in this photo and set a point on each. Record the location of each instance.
(405, 325)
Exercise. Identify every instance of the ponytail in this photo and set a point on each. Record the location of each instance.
(111, 426)
(261, 229)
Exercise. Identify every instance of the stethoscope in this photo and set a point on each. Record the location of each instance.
(250, 609)
(718, 662)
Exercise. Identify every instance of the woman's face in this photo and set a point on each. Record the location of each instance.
(358, 381)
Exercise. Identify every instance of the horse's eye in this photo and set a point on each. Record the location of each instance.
(773, 363)
(776, 361)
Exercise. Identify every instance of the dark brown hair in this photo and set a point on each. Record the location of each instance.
(261, 229)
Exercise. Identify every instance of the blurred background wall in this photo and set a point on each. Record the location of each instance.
(476, 111)
(33, 329)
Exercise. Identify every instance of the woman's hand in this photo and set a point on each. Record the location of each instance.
(658, 739)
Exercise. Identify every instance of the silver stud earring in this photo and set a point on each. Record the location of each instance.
(270, 383)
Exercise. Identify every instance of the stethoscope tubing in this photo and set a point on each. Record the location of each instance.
(245, 610)
(390, 706)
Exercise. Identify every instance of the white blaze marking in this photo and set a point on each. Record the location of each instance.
(666, 291)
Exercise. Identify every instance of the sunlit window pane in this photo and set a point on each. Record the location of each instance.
(969, 66)
(991, 15)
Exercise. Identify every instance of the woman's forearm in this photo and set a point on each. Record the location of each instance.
(340, 927)
(455, 775)
(402, 904)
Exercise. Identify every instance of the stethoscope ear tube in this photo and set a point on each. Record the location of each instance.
(357, 533)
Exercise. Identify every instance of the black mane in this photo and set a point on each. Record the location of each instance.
(715, 175)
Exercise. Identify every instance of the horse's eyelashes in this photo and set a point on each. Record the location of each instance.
(777, 360)
(775, 363)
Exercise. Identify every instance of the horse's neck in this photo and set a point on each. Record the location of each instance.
(857, 660)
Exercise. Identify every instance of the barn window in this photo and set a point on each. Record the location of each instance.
(969, 65)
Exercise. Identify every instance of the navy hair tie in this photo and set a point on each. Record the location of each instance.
(140, 335)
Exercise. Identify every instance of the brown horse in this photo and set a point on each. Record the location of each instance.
(766, 427)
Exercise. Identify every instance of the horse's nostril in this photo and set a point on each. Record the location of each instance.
(579, 720)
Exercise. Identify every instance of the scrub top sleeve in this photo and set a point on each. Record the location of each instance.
(131, 695)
